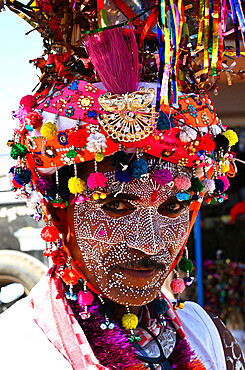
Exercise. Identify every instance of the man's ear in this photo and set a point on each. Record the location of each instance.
(59, 218)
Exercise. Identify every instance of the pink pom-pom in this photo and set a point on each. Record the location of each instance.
(85, 298)
(177, 286)
(97, 179)
(29, 101)
(225, 181)
(162, 177)
(182, 182)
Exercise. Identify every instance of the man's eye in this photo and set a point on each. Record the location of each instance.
(117, 207)
(171, 209)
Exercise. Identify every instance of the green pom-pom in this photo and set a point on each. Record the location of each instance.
(185, 265)
(71, 154)
(196, 185)
(18, 150)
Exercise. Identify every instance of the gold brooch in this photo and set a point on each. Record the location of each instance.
(130, 118)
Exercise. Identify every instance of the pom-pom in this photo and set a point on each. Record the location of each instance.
(120, 160)
(182, 182)
(206, 143)
(160, 306)
(49, 234)
(219, 186)
(77, 139)
(76, 185)
(96, 142)
(187, 134)
(49, 130)
(221, 143)
(28, 101)
(85, 298)
(33, 119)
(225, 181)
(177, 285)
(99, 156)
(183, 196)
(124, 176)
(185, 265)
(70, 277)
(22, 177)
(162, 177)
(59, 257)
(44, 184)
(129, 321)
(18, 150)
(208, 185)
(225, 166)
(196, 185)
(231, 136)
(139, 168)
(164, 122)
(97, 179)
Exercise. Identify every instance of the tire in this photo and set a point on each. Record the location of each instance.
(19, 267)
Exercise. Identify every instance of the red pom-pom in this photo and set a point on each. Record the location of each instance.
(206, 143)
(77, 139)
(177, 286)
(29, 101)
(49, 234)
(85, 298)
(33, 119)
(48, 252)
(59, 257)
(69, 276)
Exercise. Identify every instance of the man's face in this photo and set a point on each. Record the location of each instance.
(127, 243)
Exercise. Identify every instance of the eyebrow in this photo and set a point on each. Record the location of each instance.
(118, 196)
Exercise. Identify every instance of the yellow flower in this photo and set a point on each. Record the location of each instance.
(76, 185)
(49, 130)
(231, 136)
(129, 321)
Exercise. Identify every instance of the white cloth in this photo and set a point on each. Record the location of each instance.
(23, 345)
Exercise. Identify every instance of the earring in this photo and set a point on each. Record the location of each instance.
(161, 307)
(70, 278)
(186, 266)
(50, 235)
(130, 322)
(106, 309)
(84, 298)
(178, 286)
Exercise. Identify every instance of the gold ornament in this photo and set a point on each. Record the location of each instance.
(130, 118)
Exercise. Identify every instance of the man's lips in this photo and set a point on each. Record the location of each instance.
(137, 273)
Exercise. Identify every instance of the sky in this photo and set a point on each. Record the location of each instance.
(17, 76)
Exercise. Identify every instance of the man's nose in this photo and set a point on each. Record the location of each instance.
(147, 236)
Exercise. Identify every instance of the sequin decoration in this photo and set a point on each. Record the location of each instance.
(85, 102)
(59, 104)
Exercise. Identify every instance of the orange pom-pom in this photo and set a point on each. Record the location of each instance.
(69, 276)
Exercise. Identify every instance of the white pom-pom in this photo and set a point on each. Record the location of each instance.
(209, 186)
(216, 130)
(187, 134)
(96, 142)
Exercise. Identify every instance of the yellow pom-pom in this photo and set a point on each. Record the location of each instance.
(103, 195)
(231, 136)
(129, 321)
(49, 130)
(76, 185)
(99, 156)
(225, 167)
(96, 196)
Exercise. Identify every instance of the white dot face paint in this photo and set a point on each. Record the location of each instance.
(128, 243)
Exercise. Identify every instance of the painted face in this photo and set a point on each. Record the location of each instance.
(127, 243)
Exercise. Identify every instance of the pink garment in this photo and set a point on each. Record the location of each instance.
(52, 313)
